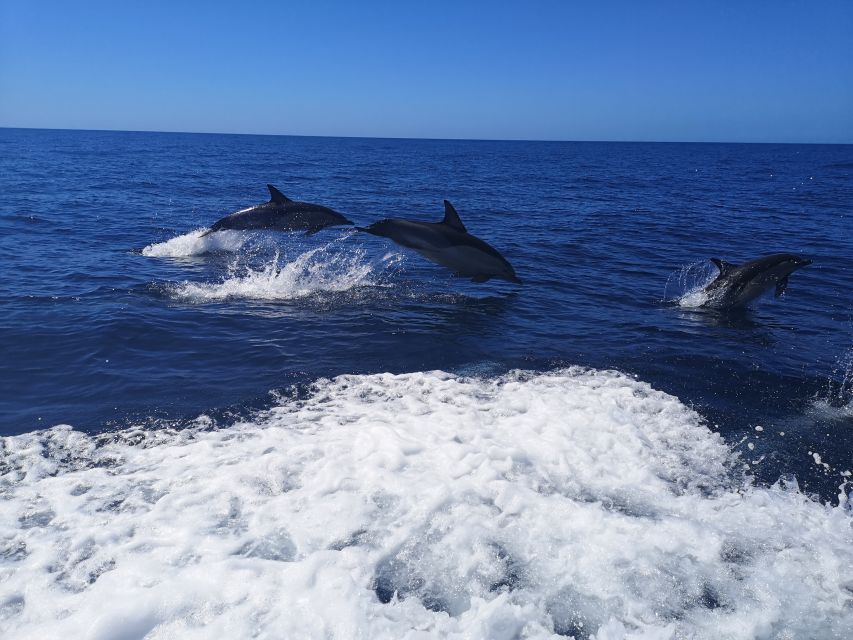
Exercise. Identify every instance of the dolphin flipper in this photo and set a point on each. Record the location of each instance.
(781, 286)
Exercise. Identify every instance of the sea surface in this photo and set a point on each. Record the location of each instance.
(214, 433)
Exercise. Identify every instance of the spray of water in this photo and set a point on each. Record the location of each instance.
(837, 400)
(328, 268)
(685, 287)
(194, 244)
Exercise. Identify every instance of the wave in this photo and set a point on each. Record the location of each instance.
(317, 270)
(575, 502)
(193, 244)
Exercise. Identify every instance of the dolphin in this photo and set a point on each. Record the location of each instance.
(281, 214)
(449, 244)
(738, 285)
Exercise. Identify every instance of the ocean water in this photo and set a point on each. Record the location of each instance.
(267, 435)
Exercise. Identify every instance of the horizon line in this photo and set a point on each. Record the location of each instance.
(357, 137)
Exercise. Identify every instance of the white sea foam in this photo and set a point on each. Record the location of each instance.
(316, 270)
(193, 244)
(418, 506)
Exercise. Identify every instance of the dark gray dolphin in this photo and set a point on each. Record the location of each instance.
(738, 285)
(449, 244)
(281, 214)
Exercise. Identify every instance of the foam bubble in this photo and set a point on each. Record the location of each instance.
(575, 502)
(316, 270)
(193, 244)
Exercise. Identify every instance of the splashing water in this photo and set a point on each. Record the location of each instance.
(193, 244)
(845, 387)
(688, 284)
(317, 270)
(837, 401)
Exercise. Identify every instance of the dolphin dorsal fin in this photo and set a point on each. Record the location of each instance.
(277, 196)
(451, 218)
(723, 266)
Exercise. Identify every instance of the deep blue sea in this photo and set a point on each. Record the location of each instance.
(116, 316)
(94, 335)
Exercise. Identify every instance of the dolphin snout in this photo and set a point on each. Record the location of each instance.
(803, 262)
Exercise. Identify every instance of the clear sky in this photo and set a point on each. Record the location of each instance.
(713, 70)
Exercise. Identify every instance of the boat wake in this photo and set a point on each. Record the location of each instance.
(577, 502)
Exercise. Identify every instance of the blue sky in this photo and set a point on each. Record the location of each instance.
(717, 70)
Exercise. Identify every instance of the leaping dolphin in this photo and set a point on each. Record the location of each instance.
(738, 285)
(281, 214)
(449, 244)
